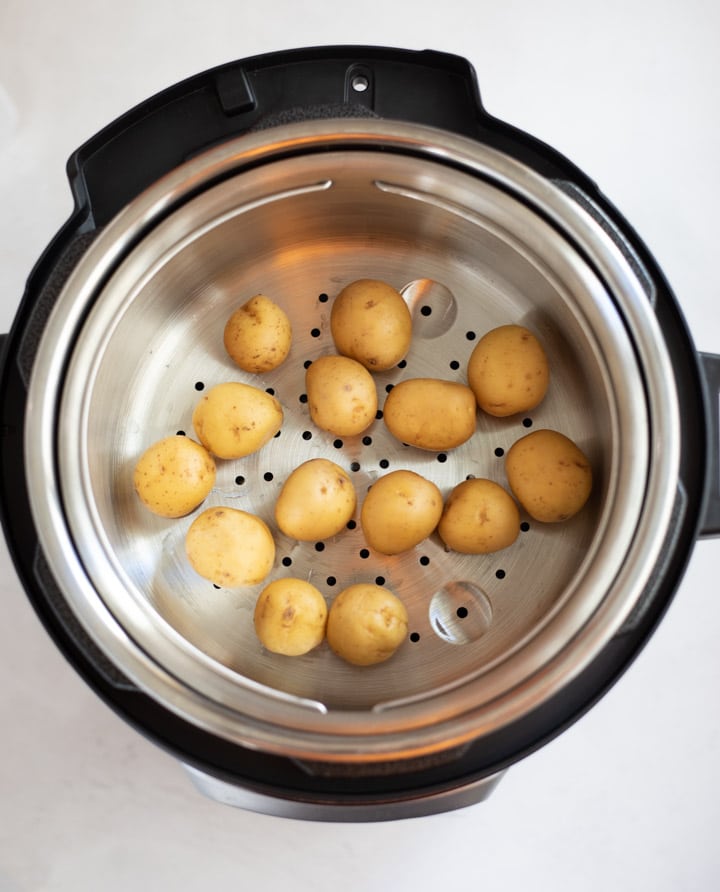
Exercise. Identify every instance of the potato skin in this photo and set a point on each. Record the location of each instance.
(479, 517)
(173, 476)
(401, 509)
(290, 617)
(231, 548)
(258, 335)
(233, 420)
(341, 393)
(366, 624)
(370, 322)
(431, 413)
(549, 475)
(316, 501)
(508, 371)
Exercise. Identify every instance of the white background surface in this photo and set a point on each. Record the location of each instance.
(628, 799)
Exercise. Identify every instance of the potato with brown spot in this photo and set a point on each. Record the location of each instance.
(173, 476)
(366, 624)
(431, 413)
(290, 617)
(258, 335)
(549, 475)
(371, 323)
(401, 509)
(479, 517)
(508, 371)
(231, 548)
(341, 393)
(316, 501)
(233, 420)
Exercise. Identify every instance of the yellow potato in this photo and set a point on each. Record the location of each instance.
(479, 517)
(233, 420)
(316, 501)
(400, 510)
(258, 335)
(430, 413)
(366, 624)
(230, 547)
(341, 395)
(549, 475)
(174, 476)
(508, 371)
(370, 322)
(290, 617)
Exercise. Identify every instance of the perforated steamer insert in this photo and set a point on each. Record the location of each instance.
(503, 650)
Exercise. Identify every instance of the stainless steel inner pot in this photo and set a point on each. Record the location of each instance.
(474, 240)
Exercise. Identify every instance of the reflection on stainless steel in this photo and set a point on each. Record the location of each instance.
(379, 810)
(460, 612)
(433, 307)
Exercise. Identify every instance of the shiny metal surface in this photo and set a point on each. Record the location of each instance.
(388, 808)
(472, 245)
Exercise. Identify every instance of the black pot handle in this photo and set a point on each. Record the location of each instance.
(710, 365)
(418, 86)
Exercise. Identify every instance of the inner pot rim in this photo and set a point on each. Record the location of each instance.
(355, 733)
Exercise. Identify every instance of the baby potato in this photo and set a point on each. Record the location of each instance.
(430, 413)
(258, 335)
(479, 517)
(230, 547)
(173, 476)
(290, 617)
(370, 322)
(400, 510)
(550, 476)
(233, 420)
(508, 371)
(366, 624)
(341, 395)
(316, 501)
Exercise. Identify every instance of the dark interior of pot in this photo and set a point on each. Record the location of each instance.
(467, 256)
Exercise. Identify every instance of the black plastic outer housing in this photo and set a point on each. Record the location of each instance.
(112, 168)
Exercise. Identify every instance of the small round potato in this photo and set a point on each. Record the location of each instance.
(370, 322)
(258, 335)
(316, 501)
(430, 413)
(366, 624)
(480, 517)
(230, 547)
(290, 617)
(233, 420)
(174, 476)
(549, 475)
(341, 395)
(400, 510)
(508, 371)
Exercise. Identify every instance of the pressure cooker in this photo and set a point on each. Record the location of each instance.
(292, 174)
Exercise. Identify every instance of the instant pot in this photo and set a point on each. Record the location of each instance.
(293, 174)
